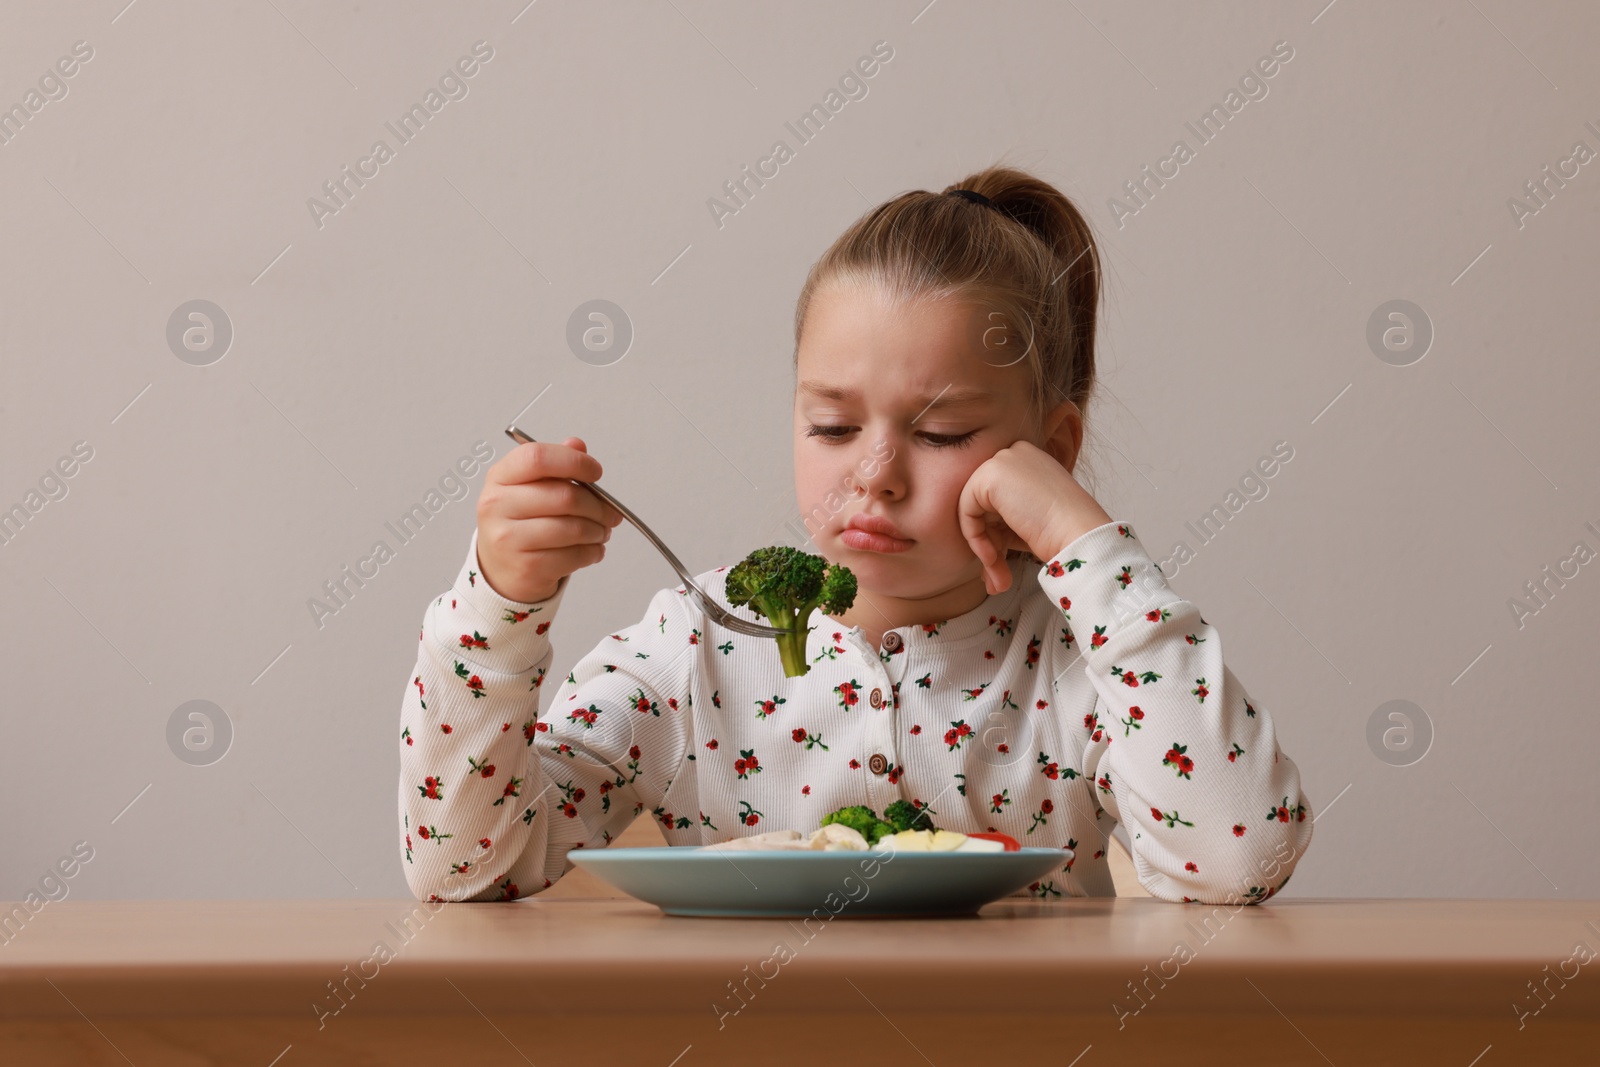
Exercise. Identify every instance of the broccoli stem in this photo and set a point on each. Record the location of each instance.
(792, 649)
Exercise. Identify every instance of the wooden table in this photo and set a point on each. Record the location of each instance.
(585, 981)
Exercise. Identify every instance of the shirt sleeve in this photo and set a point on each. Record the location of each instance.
(1176, 749)
(495, 791)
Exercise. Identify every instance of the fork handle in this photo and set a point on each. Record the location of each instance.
(522, 438)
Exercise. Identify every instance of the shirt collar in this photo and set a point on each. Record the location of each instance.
(983, 619)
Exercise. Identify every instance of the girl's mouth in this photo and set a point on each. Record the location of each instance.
(871, 542)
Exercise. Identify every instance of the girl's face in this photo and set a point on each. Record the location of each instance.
(895, 406)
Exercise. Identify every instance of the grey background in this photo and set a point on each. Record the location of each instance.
(370, 354)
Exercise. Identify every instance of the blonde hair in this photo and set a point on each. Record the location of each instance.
(1033, 262)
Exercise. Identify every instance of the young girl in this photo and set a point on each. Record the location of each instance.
(1013, 662)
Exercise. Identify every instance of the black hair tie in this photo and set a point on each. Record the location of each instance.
(976, 198)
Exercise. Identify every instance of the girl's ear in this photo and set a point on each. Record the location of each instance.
(1063, 433)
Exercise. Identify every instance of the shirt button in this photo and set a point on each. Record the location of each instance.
(891, 641)
(877, 764)
(876, 699)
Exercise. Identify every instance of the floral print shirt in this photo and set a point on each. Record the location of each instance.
(1087, 693)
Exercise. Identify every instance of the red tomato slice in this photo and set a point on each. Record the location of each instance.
(1011, 843)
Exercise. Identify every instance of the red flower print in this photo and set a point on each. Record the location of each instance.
(1129, 678)
(748, 815)
(485, 770)
(915, 729)
(445, 727)
(541, 628)
(1235, 754)
(805, 790)
(644, 704)
(765, 708)
(430, 789)
(423, 832)
(1177, 760)
(855, 765)
(484, 842)
(809, 740)
(473, 640)
(1047, 805)
(1200, 689)
(1099, 637)
(633, 752)
(1190, 866)
(1155, 813)
(568, 810)
(957, 734)
(1066, 604)
(1055, 569)
(1125, 577)
(1238, 829)
(1002, 748)
(515, 616)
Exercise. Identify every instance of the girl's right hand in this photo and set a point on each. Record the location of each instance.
(534, 526)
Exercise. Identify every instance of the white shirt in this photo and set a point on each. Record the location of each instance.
(1087, 693)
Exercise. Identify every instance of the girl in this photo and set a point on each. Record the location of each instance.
(1014, 660)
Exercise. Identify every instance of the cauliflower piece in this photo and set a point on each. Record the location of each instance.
(772, 839)
(837, 837)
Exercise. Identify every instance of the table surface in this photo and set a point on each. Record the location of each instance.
(377, 981)
(594, 942)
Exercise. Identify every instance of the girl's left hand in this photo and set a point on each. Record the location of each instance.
(1021, 497)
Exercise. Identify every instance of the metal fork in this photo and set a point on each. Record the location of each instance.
(719, 614)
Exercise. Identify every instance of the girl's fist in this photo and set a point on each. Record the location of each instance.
(535, 526)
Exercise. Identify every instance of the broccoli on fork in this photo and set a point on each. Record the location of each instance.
(786, 585)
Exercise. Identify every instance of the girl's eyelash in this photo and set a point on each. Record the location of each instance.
(937, 440)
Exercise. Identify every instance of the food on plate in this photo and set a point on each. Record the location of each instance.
(948, 841)
(787, 585)
(857, 828)
(899, 815)
(832, 838)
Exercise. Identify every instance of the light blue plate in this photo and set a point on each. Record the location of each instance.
(690, 881)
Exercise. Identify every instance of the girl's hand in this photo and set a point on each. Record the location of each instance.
(534, 526)
(1020, 497)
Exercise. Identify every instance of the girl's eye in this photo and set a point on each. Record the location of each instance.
(950, 440)
(826, 431)
(937, 440)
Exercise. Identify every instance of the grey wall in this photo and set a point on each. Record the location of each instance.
(371, 351)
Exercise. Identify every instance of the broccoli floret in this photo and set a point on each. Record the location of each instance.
(904, 815)
(786, 585)
(861, 819)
